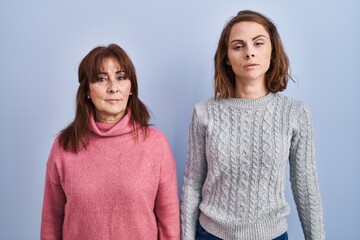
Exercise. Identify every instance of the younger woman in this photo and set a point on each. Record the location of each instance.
(240, 142)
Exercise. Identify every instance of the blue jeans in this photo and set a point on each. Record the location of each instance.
(282, 237)
(202, 234)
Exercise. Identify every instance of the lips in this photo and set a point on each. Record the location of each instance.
(113, 101)
(249, 65)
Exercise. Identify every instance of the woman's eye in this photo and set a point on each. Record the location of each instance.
(121, 78)
(101, 79)
(239, 46)
(259, 43)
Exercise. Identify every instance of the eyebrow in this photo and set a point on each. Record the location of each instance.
(105, 73)
(254, 38)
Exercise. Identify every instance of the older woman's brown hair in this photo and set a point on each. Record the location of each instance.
(277, 76)
(75, 136)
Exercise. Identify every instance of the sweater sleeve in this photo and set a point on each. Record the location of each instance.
(167, 201)
(303, 177)
(53, 202)
(194, 177)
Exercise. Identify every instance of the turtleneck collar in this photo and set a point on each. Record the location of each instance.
(124, 126)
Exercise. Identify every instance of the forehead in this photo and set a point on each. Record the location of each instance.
(109, 64)
(247, 30)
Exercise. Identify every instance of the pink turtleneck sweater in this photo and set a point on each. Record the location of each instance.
(116, 188)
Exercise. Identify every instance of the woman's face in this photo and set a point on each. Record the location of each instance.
(110, 92)
(249, 51)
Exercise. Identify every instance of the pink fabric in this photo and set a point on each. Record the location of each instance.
(118, 188)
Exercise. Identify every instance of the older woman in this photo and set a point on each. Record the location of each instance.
(109, 174)
(241, 141)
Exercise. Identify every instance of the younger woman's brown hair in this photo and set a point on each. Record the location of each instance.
(276, 78)
(75, 135)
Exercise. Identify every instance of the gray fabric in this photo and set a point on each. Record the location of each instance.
(235, 172)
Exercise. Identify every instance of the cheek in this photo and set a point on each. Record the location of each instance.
(230, 61)
(229, 58)
(234, 59)
(268, 59)
(127, 88)
(265, 58)
(95, 91)
(269, 55)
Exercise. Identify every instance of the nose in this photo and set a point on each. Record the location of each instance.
(249, 53)
(248, 56)
(112, 86)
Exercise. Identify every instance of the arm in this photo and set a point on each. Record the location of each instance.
(303, 178)
(167, 202)
(53, 203)
(195, 174)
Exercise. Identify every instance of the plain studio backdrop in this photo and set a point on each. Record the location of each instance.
(172, 44)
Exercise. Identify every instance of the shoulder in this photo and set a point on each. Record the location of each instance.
(56, 148)
(54, 162)
(157, 144)
(202, 108)
(200, 111)
(204, 104)
(58, 155)
(294, 104)
(156, 136)
(154, 132)
(298, 111)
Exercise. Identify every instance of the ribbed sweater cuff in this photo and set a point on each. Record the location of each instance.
(266, 229)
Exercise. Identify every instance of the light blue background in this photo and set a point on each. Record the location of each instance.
(172, 44)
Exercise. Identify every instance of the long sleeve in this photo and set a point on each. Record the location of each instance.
(303, 178)
(53, 203)
(167, 202)
(195, 174)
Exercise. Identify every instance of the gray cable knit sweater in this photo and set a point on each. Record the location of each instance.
(234, 180)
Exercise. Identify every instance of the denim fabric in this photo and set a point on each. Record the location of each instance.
(202, 234)
(282, 237)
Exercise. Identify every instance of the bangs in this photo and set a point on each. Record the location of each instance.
(98, 64)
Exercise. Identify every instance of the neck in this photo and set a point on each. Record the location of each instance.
(250, 90)
(251, 94)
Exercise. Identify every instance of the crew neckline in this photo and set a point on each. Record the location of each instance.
(250, 103)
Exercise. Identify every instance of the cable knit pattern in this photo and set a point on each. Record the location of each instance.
(235, 173)
(117, 188)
